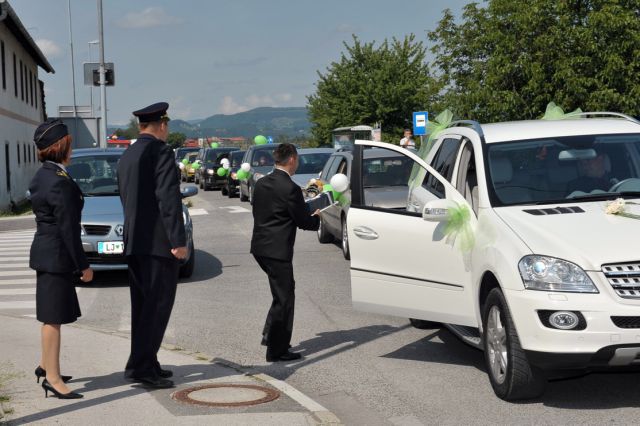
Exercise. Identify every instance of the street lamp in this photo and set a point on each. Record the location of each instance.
(91, 43)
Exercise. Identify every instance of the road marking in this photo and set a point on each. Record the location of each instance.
(17, 291)
(4, 258)
(236, 209)
(13, 265)
(21, 304)
(17, 273)
(18, 281)
(16, 240)
(30, 316)
(197, 212)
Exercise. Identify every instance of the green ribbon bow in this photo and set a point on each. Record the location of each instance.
(441, 122)
(555, 112)
(458, 227)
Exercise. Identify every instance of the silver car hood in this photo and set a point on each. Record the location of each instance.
(106, 208)
(303, 180)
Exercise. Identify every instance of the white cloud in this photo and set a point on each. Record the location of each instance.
(49, 48)
(284, 97)
(148, 18)
(230, 106)
(257, 101)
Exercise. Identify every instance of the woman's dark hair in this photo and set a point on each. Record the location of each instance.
(58, 152)
(283, 152)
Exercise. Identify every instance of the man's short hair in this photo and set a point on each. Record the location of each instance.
(284, 152)
(408, 130)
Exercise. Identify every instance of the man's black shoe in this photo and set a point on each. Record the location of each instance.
(155, 382)
(165, 374)
(287, 356)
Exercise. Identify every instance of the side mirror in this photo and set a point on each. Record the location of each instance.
(189, 191)
(436, 211)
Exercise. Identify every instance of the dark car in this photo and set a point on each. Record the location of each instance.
(207, 174)
(232, 184)
(94, 170)
(260, 160)
(180, 153)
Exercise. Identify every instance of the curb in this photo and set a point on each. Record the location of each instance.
(320, 413)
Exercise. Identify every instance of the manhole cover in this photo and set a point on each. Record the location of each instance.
(226, 395)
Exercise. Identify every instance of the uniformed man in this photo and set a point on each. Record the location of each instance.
(154, 239)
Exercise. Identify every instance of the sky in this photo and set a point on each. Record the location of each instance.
(209, 57)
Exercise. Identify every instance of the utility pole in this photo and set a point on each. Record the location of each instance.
(73, 76)
(102, 142)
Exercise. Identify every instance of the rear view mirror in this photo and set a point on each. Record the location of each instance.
(577, 154)
(189, 191)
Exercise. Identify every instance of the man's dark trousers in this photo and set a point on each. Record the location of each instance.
(153, 283)
(279, 324)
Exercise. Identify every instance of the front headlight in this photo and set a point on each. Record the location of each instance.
(546, 273)
(209, 171)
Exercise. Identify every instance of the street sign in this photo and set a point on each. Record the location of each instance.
(92, 74)
(420, 119)
(269, 139)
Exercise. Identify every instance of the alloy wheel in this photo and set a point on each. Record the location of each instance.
(496, 336)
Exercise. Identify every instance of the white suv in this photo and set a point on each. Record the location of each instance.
(549, 281)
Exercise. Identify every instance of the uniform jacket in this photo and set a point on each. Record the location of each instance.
(57, 203)
(149, 187)
(278, 208)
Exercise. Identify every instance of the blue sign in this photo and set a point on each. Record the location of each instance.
(269, 139)
(420, 120)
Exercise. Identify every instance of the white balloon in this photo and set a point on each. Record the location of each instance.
(224, 161)
(339, 182)
(225, 166)
(181, 166)
(246, 167)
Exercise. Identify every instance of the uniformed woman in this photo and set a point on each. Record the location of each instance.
(56, 252)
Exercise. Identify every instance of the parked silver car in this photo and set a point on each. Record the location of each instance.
(95, 172)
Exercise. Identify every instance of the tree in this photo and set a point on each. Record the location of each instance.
(176, 139)
(131, 132)
(506, 61)
(370, 84)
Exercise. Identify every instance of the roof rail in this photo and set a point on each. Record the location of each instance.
(603, 114)
(470, 123)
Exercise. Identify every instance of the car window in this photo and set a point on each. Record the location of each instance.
(327, 167)
(262, 158)
(467, 181)
(385, 179)
(95, 175)
(236, 158)
(443, 162)
(334, 166)
(312, 163)
(342, 167)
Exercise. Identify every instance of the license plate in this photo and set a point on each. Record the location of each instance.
(111, 247)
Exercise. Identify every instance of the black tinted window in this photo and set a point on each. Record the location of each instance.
(443, 162)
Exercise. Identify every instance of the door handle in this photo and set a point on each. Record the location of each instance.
(365, 233)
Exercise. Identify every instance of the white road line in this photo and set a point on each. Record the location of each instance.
(15, 249)
(236, 209)
(3, 234)
(18, 281)
(30, 316)
(292, 393)
(16, 291)
(4, 258)
(16, 241)
(17, 273)
(20, 304)
(13, 265)
(197, 212)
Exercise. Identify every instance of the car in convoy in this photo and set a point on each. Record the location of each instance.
(102, 224)
(187, 173)
(232, 184)
(333, 221)
(310, 164)
(207, 176)
(519, 237)
(180, 153)
(260, 159)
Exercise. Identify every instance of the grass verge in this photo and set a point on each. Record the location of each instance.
(17, 210)
(6, 376)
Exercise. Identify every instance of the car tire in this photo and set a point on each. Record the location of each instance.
(230, 193)
(512, 377)
(250, 195)
(224, 190)
(323, 235)
(242, 196)
(423, 324)
(186, 270)
(344, 241)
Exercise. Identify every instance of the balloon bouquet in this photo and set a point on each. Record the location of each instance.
(245, 169)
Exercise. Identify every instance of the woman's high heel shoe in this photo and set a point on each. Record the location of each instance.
(48, 388)
(41, 372)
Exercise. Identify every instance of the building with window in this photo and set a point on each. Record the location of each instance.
(22, 106)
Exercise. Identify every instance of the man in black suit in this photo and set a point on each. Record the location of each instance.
(154, 240)
(278, 208)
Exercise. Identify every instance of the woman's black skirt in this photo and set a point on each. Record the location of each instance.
(56, 298)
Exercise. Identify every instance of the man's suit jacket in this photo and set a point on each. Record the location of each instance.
(278, 208)
(57, 204)
(150, 192)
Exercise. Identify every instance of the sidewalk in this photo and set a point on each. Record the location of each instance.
(96, 360)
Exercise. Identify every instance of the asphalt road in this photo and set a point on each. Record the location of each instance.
(367, 369)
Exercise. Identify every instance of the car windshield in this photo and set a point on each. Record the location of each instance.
(216, 156)
(312, 163)
(181, 153)
(379, 172)
(236, 158)
(564, 169)
(95, 175)
(262, 158)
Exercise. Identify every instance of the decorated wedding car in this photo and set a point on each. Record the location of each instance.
(521, 237)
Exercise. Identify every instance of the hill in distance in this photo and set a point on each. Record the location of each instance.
(290, 121)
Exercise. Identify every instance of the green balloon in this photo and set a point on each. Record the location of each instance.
(242, 175)
(214, 144)
(260, 140)
(222, 171)
(195, 166)
(185, 161)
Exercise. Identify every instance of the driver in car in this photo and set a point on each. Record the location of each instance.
(593, 175)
